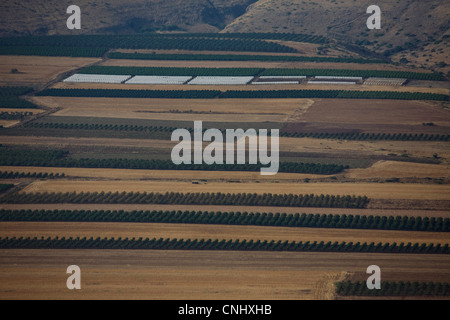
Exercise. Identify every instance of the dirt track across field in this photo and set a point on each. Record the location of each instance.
(186, 275)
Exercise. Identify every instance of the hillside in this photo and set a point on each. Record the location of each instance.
(49, 16)
(419, 28)
(413, 31)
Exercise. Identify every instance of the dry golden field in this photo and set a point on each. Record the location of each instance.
(371, 190)
(37, 70)
(396, 169)
(191, 275)
(381, 170)
(176, 175)
(229, 110)
(220, 232)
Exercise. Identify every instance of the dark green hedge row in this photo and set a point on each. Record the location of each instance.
(315, 135)
(14, 91)
(394, 289)
(4, 187)
(55, 158)
(237, 94)
(14, 115)
(52, 51)
(332, 94)
(197, 42)
(38, 175)
(16, 103)
(234, 57)
(370, 136)
(235, 199)
(162, 71)
(100, 126)
(353, 73)
(223, 245)
(116, 93)
(156, 71)
(9, 98)
(297, 37)
(29, 156)
(230, 218)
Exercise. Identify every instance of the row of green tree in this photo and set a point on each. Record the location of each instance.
(244, 94)
(332, 94)
(339, 221)
(235, 57)
(369, 136)
(394, 289)
(14, 91)
(14, 115)
(57, 158)
(235, 199)
(353, 73)
(296, 37)
(158, 71)
(50, 51)
(16, 103)
(222, 245)
(202, 42)
(9, 98)
(4, 187)
(167, 71)
(117, 93)
(316, 135)
(37, 175)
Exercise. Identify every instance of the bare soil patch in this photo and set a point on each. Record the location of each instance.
(373, 116)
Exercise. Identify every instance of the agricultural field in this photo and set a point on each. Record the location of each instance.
(37, 71)
(86, 175)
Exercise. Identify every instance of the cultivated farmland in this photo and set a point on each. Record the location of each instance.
(364, 169)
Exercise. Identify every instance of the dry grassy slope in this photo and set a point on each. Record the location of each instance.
(49, 16)
(402, 22)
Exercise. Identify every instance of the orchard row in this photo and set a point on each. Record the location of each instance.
(238, 94)
(222, 245)
(189, 198)
(339, 221)
(315, 135)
